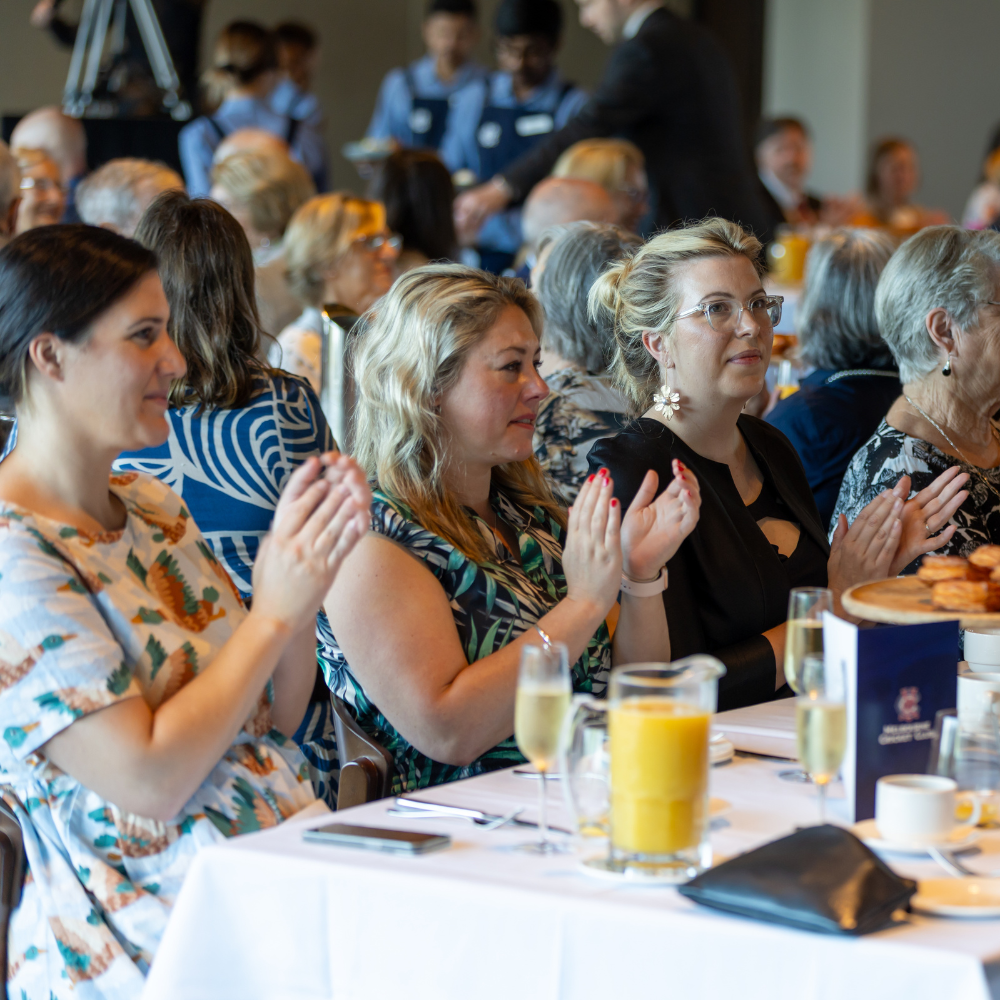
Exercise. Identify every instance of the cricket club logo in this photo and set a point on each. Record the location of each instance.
(908, 704)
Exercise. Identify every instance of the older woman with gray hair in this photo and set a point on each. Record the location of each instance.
(582, 405)
(855, 381)
(938, 307)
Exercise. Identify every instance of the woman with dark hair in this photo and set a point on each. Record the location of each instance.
(855, 381)
(416, 189)
(892, 181)
(144, 711)
(238, 428)
(238, 84)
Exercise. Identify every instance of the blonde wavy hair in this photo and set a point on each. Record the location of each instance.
(412, 349)
(639, 293)
(604, 161)
(320, 232)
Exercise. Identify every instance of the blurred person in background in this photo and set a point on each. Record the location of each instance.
(783, 153)
(115, 196)
(338, 250)
(10, 194)
(42, 198)
(555, 202)
(262, 191)
(669, 87)
(983, 207)
(619, 167)
(582, 405)
(839, 405)
(417, 192)
(64, 139)
(238, 85)
(495, 121)
(413, 102)
(297, 48)
(892, 181)
(254, 140)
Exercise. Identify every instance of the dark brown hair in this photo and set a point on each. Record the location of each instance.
(206, 268)
(882, 149)
(60, 279)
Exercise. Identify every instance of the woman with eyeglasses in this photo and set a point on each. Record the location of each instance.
(42, 198)
(693, 329)
(338, 251)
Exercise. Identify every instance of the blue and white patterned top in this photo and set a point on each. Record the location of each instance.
(230, 466)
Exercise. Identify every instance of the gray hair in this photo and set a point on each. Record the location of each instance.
(941, 267)
(10, 180)
(115, 196)
(580, 252)
(836, 316)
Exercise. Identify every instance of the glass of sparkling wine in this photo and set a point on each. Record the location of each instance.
(803, 635)
(821, 722)
(543, 697)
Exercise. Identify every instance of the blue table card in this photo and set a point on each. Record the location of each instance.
(898, 677)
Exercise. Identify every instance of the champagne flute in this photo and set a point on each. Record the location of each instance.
(821, 722)
(803, 635)
(543, 697)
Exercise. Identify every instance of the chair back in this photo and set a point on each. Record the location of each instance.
(366, 767)
(12, 869)
(337, 393)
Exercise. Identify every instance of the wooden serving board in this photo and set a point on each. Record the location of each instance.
(905, 600)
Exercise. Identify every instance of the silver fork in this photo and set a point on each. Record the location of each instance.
(955, 866)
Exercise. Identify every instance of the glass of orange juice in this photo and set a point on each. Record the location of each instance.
(659, 718)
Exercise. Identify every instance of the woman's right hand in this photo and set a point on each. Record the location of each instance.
(322, 513)
(592, 555)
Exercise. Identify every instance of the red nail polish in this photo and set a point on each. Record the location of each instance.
(614, 503)
(603, 472)
(591, 478)
(607, 482)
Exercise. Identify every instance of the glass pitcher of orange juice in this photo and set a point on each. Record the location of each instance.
(658, 724)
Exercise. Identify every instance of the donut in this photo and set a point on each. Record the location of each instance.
(983, 561)
(971, 596)
(936, 568)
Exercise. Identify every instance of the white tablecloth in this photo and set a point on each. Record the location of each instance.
(269, 916)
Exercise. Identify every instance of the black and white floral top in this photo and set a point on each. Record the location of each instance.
(492, 604)
(889, 454)
(578, 410)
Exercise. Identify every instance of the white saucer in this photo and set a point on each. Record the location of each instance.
(867, 830)
(720, 750)
(971, 898)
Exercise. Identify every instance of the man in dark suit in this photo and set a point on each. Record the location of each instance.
(783, 151)
(670, 89)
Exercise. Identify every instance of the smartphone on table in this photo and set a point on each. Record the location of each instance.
(372, 838)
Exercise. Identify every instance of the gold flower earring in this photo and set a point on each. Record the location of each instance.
(666, 400)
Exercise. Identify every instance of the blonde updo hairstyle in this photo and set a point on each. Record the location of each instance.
(320, 232)
(639, 294)
(413, 347)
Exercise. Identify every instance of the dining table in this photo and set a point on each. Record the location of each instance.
(272, 916)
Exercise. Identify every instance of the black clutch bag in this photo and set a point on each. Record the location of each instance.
(821, 878)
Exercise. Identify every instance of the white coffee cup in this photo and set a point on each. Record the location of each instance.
(917, 810)
(978, 701)
(982, 650)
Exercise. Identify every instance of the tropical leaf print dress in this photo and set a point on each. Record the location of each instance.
(492, 604)
(87, 621)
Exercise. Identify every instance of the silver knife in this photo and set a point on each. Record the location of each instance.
(440, 809)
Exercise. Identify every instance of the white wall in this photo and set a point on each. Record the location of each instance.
(816, 68)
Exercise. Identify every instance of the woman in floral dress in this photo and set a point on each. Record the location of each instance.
(144, 712)
(479, 553)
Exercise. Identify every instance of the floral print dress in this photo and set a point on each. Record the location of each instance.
(87, 621)
(889, 454)
(492, 604)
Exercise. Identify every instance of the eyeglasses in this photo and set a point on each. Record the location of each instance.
(724, 315)
(376, 243)
(40, 184)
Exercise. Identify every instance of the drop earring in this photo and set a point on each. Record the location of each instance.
(666, 400)
(946, 371)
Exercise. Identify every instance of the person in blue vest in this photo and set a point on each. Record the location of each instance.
(239, 85)
(495, 121)
(413, 101)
